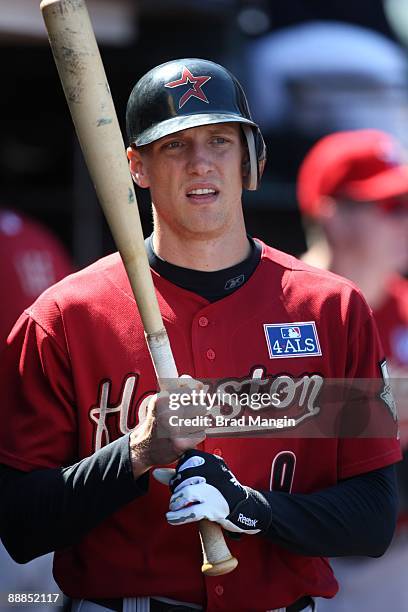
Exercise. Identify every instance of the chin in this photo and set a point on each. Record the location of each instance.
(205, 231)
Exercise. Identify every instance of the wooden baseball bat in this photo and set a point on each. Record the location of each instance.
(86, 89)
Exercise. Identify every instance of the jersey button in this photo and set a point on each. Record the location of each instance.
(219, 589)
(210, 354)
(203, 321)
(217, 451)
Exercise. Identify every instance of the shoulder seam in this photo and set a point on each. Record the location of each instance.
(48, 332)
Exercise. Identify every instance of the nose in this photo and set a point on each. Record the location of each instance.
(199, 162)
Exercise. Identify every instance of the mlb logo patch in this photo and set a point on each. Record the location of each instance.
(291, 332)
(287, 340)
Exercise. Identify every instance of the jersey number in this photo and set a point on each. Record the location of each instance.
(283, 472)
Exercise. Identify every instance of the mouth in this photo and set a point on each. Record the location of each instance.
(202, 194)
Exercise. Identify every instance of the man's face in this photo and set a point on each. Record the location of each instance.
(375, 236)
(195, 179)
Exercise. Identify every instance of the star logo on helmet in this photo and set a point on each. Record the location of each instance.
(195, 92)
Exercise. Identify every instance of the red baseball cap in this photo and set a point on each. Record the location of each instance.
(358, 165)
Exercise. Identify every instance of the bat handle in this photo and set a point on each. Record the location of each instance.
(217, 558)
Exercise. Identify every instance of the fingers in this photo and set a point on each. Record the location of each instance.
(143, 408)
(165, 432)
(183, 383)
(195, 502)
(190, 494)
(186, 441)
(182, 397)
(188, 505)
(188, 515)
(194, 480)
(181, 417)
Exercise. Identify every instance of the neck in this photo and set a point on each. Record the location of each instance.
(207, 253)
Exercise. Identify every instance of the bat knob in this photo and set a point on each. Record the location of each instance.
(219, 568)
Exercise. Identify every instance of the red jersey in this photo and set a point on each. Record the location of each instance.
(32, 259)
(392, 322)
(77, 368)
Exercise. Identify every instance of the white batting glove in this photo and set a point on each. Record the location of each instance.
(203, 487)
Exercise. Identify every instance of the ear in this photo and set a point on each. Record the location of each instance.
(137, 167)
(335, 224)
(327, 208)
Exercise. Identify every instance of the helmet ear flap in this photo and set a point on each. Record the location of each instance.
(257, 157)
(251, 179)
(260, 153)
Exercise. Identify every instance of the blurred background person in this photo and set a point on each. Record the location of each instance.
(321, 67)
(353, 192)
(32, 258)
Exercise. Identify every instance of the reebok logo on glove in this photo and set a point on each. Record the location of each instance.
(247, 521)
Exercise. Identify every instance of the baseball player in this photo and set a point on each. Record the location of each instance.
(85, 425)
(353, 193)
(33, 259)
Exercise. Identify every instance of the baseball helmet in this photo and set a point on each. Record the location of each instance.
(187, 93)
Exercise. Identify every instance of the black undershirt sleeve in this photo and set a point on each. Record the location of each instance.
(50, 509)
(355, 517)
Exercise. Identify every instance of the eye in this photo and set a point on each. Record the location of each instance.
(172, 144)
(220, 139)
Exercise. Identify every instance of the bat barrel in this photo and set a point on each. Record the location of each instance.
(90, 102)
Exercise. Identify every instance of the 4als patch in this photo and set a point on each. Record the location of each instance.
(286, 340)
